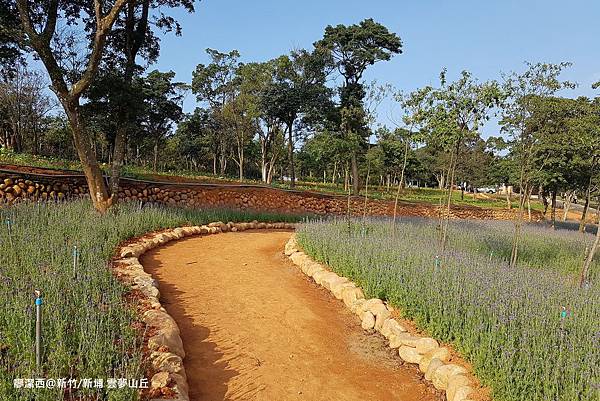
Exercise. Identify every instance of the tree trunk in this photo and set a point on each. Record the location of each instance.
(292, 170)
(586, 206)
(453, 163)
(355, 177)
(590, 257)
(366, 193)
(399, 188)
(333, 177)
(155, 162)
(117, 159)
(96, 184)
(567, 205)
(553, 213)
(346, 179)
(529, 204)
(508, 200)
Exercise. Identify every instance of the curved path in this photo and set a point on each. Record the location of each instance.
(255, 328)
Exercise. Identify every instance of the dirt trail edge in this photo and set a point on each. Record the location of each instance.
(255, 328)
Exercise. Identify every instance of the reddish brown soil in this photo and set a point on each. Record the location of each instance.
(255, 328)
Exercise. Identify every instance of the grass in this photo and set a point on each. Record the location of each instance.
(508, 323)
(87, 325)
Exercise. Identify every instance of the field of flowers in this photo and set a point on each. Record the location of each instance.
(530, 332)
(87, 326)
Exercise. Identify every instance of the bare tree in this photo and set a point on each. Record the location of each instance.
(24, 105)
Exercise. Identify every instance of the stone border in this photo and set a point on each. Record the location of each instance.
(165, 347)
(432, 359)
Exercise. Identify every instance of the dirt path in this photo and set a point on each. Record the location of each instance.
(255, 328)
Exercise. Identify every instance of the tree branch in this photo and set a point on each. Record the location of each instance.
(102, 29)
(50, 27)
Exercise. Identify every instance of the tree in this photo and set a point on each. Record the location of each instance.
(101, 19)
(450, 115)
(24, 104)
(353, 48)
(163, 107)
(133, 35)
(194, 137)
(215, 85)
(298, 87)
(539, 80)
(10, 38)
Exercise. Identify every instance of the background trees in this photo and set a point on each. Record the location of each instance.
(307, 114)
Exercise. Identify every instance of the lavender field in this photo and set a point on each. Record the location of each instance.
(530, 332)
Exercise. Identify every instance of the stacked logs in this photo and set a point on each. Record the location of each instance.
(14, 188)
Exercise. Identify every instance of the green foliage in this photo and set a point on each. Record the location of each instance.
(87, 325)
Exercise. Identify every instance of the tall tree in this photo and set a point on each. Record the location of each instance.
(298, 88)
(353, 48)
(163, 100)
(101, 18)
(215, 84)
(133, 36)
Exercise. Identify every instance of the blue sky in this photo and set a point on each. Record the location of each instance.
(482, 36)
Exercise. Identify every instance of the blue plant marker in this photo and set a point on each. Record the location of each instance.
(38, 328)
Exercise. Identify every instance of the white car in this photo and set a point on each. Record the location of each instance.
(486, 190)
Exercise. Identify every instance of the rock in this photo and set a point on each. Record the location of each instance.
(332, 280)
(167, 338)
(442, 374)
(313, 268)
(409, 354)
(351, 295)
(456, 383)
(381, 314)
(160, 380)
(367, 320)
(337, 288)
(425, 345)
(298, 258)
(461, 394)
(325, 277)
(442, 353)
(391, 327)
(291, 246)
(357, 305)
(434, 365)
(167, 332)
(368, 304)
(318, 275)
(401, 339)
(181, 385)
(166, 362)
